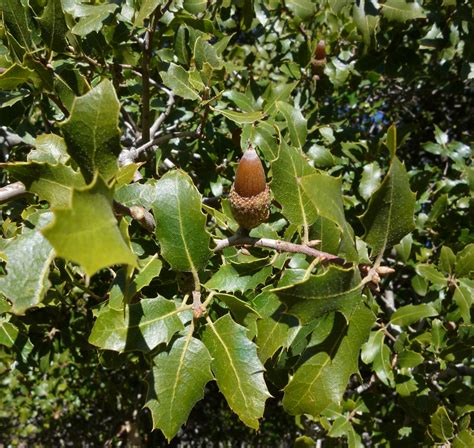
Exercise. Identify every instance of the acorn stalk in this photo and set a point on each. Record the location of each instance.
(250, 196)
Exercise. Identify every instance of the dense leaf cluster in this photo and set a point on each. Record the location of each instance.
(130, 300)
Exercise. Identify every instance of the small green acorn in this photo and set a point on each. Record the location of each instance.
(250, 196)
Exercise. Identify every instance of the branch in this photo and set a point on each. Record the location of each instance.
(143, 216)
(159, 121)
(280, 246)
(128, 156)
(12, 191)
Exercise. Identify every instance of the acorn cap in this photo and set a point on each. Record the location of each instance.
(250, 196)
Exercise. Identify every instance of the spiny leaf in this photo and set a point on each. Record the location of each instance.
(28, 257)
(288, 170)
(237, 369)
(52, 183)
(92, 134)
(180, 223)
(177, 79)
(401, 10)
(322, 379)
(177, 383)
(389, 216)
(140, 326)
(87, 232)
(53, 26)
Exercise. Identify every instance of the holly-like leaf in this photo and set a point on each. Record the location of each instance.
(322, 379)
(334, 289)
(49, 148)
(370, 179)
(177, 79)
(240, 117)
(409, 314)
(366, 23)
(302, 9)
(401, 10)
(237, 369)
(389, 216)
(16, 75)
(87, 232)
(228, 279)
(52, 183)
(463, 296)
(441, 425)
(146, 9)
(138, 194)
(276, 329)
(92, 134)
(177, 383)
(325, 193)
(17, 18)
(377, 353)
(180, 223)
(28, 258)
(465, 262)
(91, 17)
(195, 6)
(297, 124)
(263, 136)
(288, 170)
(53, 26)
(275, 93)
(141, 326)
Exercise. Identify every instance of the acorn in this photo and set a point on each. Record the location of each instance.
(250, 196)
(319, 60)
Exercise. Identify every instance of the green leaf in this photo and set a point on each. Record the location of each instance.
(228, 279)
(244, 101)
(322, 378)
(333, 289)
(328, 232)
(92, 134)
(465, 439)
(288, 169)
(391, 140)
(15, 339)
(53, 26)
(146, 9)
(240, 117)
(447, 260)
(303, 9)
(92, 17)
(276, 329)
(49, 148)
(389, 216)
(463, 296)
(177, 383)
(237, 369)
(275, 93)
(138, 194)
(195, 6)
(264, 138)
(370, 180)
(205, 52)
(87, 233)
(180, 223)
(177, 79)
(297, 124)
(17, 18)
(409, 359)
(28, 258)
(465, 262)
(441, 425)
(8, 333)
(401, 10)
(366, 23)
(430, 273)
(325, 193)
(141, 326)
(377, 353)
(238, 308)
(52, 183)
(16, 75)
(409, 314)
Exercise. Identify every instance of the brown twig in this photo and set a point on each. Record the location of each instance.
(143, 216)
(280, 246)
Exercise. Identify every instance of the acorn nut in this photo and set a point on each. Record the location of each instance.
(250, 196)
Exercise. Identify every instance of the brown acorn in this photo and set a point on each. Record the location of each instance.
(319, 60)
(250, 196)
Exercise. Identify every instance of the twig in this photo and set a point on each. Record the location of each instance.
(12, 191)
(159, 121)
(144, 217)
(280, 246)
(132, 155)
